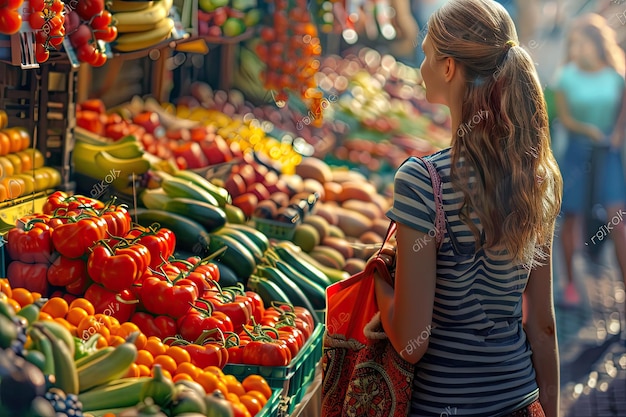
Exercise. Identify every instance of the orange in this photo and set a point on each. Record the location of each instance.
(4, 119)
(56, 307)
(155, 346)
(13, 303)
(36, 295)
(102, 342)
(67, 325)
(210, 383)
(27, 160)
(5, 143)
(133, 371)
(144, 358)
(75, 315)
(16, 161)
(38, 159)
(233, 385)
(240, 410)
(182, 376)
(89, 326)
(4, 195)
(18, 136)
(45, 316)
(233, 398)
(5, 287)
(116, 340)
(179, 354)
(188, 368)
(141, 341)
(15, 186)
(167, 363)
(103, 319)
(252, 404)
(84, 304)
(144, 370)
(22, 296)
(215, 370)
(258, 396)
(257, 383)
(6, 167)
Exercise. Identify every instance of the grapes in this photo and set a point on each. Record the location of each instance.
(65, 405)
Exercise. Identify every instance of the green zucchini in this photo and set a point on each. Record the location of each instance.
(220, 194)
(242, 238)
(227, 277)
(190, 235)
(268, 290)
(291, 289)
(302, 266)
(237, 256)
(178, 187)
(211, 217)
(311, 290)
(255, 235)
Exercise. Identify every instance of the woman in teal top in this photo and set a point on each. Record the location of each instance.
(590, 105)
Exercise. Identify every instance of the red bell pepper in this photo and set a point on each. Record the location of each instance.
(264, 351)
(117, 218)
(235, 346)
(65, 271)
(197, 320)
(31, 243)
(62, 200)
(29, 276)
(119, 305)
(73, 239)
(114, 269)
(162, 295)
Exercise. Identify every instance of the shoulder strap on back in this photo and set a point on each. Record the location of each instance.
(437, 192)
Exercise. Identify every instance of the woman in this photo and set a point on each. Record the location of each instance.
(590, 105)
(501, 196)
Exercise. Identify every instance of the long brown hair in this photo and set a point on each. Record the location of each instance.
(503, 164)
(604, 38)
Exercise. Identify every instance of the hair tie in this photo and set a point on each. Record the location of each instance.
(509, 44)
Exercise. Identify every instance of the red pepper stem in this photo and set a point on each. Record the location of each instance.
(175, 341)
(227, 340)
(206, 336)
(278, 305)
(212, 256)
(209, 307)
(29, 224)
(184, 262)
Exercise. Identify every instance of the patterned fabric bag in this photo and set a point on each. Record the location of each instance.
(363, 375)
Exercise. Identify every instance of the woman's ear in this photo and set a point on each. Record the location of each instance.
(450, 69)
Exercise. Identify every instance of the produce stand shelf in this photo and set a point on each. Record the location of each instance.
(295, 378)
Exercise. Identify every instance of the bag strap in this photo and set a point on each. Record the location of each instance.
(440, 220)
(390, 231)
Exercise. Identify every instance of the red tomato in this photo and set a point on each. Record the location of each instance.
(89, 8)
(37, 20)
(36, 5)
(85, 52)
(41, 53)
(101, 22)
(107, 35)
(10, 21)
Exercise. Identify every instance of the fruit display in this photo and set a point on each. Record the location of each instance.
(22, 169)
(218, 18)
(141, 24)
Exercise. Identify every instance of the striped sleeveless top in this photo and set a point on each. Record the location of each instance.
(478, 361)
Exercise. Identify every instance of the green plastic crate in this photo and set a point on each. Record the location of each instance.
(272, 407)
(295, 378)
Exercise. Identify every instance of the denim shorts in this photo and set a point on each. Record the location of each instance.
(592, 174)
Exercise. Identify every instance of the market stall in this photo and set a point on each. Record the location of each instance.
(179, 183)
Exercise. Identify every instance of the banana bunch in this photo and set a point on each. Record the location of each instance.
(111, 164)
(141, 24)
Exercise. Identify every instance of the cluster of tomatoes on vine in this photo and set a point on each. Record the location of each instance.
(291, 48)
(10, 17)
(83, 22)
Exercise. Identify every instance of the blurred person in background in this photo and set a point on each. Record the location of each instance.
(589, 98)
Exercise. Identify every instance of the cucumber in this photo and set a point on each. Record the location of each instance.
(227, 277)
(302, 266)
(237, 256)
(178, 187)
(220, 194)
(154, 199)
(242, 238)
(211, 217)
(268, 290)
(314, 292)
(290, 288)
(257, 236)
(190, 235)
